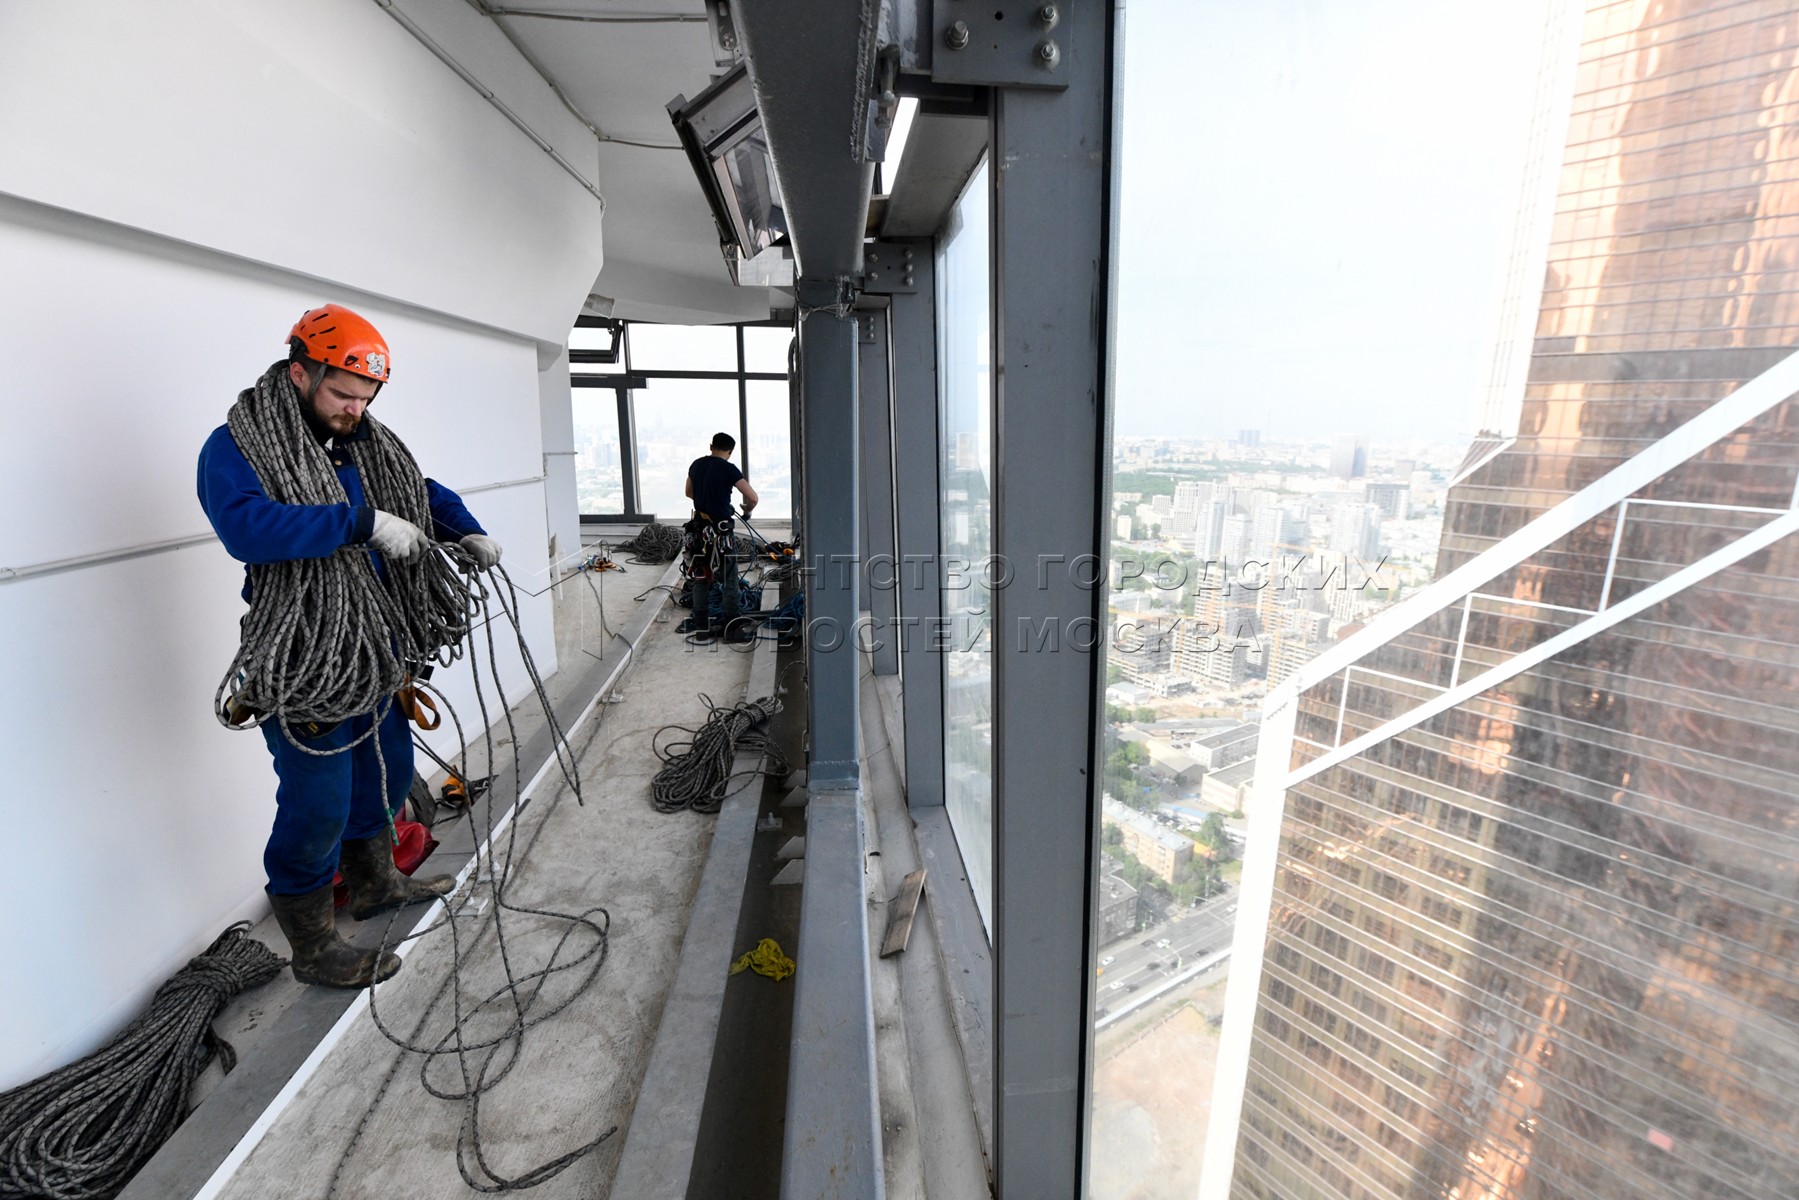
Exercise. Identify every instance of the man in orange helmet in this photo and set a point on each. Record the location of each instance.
(330, 811)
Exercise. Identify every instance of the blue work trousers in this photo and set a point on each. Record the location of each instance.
(323, 801)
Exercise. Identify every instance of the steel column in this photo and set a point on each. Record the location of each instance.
(879, 568)
(743, 412)
(833, 1134)
(828, 404)
(916, 497)
(1054, 180)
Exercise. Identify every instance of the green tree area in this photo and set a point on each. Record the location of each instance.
(1211, 833)
(1212, 865)
(1124, 714)
(1121, 778)
(1133, 872)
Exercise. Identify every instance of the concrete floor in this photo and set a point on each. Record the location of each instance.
(364, 1107)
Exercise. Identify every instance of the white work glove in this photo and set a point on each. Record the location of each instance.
(483, 549)
(397, 537)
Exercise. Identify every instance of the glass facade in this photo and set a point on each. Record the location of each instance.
(676, 419)
(701, 379)
(769, 460)
(1538, 938)
(964, 322)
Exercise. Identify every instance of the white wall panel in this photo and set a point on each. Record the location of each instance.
(135, 823)
(125, 356)
(321, 136)
(156, 242)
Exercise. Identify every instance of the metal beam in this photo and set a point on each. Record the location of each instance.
(811, 62)
(1054, 189)
(627, 451)
(945, 148)
(828, 406)
(879, 567)
(832, 1145)
(912, 323)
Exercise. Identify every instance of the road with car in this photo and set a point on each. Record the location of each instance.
(1153, 954)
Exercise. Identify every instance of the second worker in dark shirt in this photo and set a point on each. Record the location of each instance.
(710, 482)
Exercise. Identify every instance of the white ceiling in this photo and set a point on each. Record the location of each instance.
(662, 258)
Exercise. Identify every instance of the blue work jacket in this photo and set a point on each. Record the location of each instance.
(256, 529)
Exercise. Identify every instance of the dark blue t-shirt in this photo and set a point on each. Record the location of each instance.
(713, 478)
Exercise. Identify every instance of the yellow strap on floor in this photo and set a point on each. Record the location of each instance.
(766, 959)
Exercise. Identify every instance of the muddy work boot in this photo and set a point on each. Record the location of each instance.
(320, 956)
(376, 885)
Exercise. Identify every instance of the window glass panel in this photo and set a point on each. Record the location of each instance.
(1363, 386)
(676, 419)
(683, 347)
(770, 449)
(599, 472)
(765, 348)
(966, 471)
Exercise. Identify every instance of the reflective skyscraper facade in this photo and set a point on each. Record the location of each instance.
(1534, 928)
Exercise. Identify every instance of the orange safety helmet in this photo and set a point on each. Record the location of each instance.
(340, 338)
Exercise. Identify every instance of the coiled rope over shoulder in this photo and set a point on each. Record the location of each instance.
(82, 1132)
(328, 638)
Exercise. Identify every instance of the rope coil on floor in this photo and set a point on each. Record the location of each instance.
(657, 543)
(80, 1133)
(698, 773)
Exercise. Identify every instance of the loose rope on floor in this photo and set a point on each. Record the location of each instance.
(656, 543)
(482, 1063)
(697, 774)
(82, 1132)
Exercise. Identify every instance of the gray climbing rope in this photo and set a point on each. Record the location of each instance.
(80, 1133)
(656, 543)
(327, 638)
(697, 773)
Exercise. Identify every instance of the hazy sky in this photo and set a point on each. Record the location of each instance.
(1318, 196)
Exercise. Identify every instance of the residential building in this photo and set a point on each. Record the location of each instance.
(1355, 530)
(1117, 903)
(1151, 843)
(1393, 499)
(1349, 456)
